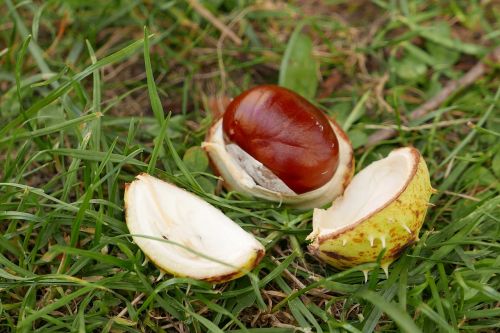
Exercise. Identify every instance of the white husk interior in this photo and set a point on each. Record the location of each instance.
(260, 174)
(156, 208)
(369, 190)
(242, 182)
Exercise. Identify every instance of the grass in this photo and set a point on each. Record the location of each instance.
(89, 98)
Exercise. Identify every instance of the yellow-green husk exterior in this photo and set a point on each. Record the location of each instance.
(395, 226)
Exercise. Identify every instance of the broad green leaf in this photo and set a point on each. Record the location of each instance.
(298, 66)
(195, 159)
(207, 185)
(358, 138)
(442, 56)
(410, 68)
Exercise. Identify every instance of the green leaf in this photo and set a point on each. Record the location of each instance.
(51, 115)
(298, 66)
(195, 159)
(442, 56)
(410, 68)
(207, 185)
(358, 138)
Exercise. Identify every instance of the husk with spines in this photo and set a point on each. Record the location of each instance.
(393, 227)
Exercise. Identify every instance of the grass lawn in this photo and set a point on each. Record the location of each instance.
(89, 98)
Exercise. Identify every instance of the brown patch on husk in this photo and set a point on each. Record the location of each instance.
(337, 256)
(227, 277)
(258, 257)
(397, 251)
(222, 278)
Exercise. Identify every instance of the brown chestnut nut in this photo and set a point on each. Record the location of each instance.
(273, 144)
(286, 133)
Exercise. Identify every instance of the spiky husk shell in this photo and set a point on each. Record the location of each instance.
(394, 226)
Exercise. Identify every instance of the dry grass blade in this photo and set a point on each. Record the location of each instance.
(476, 72)
(215, 21)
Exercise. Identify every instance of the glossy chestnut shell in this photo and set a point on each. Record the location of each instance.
(286, 133)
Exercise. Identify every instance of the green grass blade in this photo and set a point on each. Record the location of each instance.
(435, 317)
(51, 129)
(394, 311)
(56, 93)
(153, 93)
(26, 322)
(357, 112)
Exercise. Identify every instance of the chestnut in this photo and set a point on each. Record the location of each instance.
(273, 144)
(286, 133)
